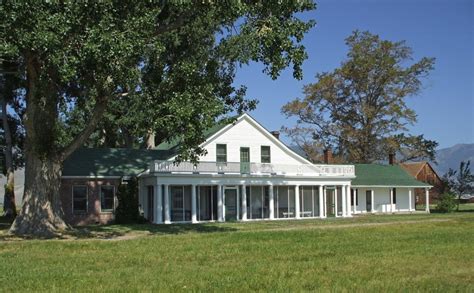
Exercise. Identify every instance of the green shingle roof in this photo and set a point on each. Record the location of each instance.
(384, 175)
(111, 161)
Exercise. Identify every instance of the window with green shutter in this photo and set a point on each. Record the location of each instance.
(221, 153)
(265, 154)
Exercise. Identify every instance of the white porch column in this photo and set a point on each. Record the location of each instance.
(193, 204)
(427, 200)
(321, 202)
(220, 204)
(410, 199)
(159, 204)
(271, 202)
(344, 197)
(297, 201)
(391, 200)
(244, 202)
(167, 205)
(348, 201)
(372, 200)
(335, 203)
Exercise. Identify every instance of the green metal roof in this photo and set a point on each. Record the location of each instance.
(384, 175)
(123, 162)
(111, 161)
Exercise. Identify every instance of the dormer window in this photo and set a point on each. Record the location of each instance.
(221, 153)
(265, 154)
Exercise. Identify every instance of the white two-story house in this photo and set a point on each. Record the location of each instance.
(248, 174)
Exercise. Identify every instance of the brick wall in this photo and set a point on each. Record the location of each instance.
(93, 214)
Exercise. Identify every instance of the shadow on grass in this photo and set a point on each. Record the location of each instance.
(117, 231)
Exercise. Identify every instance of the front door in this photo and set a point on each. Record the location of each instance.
(230, 204)
(330, 202)
(244, 160)
(368, 200)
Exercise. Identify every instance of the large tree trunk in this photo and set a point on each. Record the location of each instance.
(41, 214)
(9, 205)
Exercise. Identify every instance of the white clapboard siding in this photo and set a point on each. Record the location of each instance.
(247, 133)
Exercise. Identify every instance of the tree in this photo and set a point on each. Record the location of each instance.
(127, 210)
(359, 109)
(11, 135)
(170, 65)
(460, 181)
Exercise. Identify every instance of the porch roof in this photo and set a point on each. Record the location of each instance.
(384, 175)
(111, 162)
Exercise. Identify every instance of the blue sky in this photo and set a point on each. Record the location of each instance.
(438, 28)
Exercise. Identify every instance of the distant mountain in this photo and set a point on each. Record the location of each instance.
(451, 157)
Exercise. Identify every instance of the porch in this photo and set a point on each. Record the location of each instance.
(201, 202)
(373, 199)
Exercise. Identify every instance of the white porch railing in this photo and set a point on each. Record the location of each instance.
(252, 168)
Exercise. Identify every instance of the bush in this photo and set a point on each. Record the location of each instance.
(127, 209)
(447, 203)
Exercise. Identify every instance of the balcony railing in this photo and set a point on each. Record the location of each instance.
(252, 168)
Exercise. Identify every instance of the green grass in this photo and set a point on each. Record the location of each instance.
(371, 253)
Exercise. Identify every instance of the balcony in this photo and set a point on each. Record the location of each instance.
(252, 169)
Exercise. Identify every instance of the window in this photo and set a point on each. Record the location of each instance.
(107, 197)
(394, 196)
(265, 154)
(221, 153)
(354, 193)
(79, 199)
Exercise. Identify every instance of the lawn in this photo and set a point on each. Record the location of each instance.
(370, 253)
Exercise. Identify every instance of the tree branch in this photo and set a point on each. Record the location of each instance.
(79, 140)
(162, 29)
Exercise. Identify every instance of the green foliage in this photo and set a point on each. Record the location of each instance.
(359, 109)
(127, 210)
(460, 181)
(447, 203)
(162, 66)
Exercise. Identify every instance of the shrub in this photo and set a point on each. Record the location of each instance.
(127, 209)
(447, 203)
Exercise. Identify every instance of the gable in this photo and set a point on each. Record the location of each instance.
(420, 170)
(247, 133)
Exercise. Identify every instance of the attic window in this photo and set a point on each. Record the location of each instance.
(221, 153)
(265, 154)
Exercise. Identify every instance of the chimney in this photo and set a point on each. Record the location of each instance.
(391, 159)
(327, 156)
(276, 134)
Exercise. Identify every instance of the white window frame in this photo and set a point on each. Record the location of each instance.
(100, 198)
(87, 199)
(269, 154)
